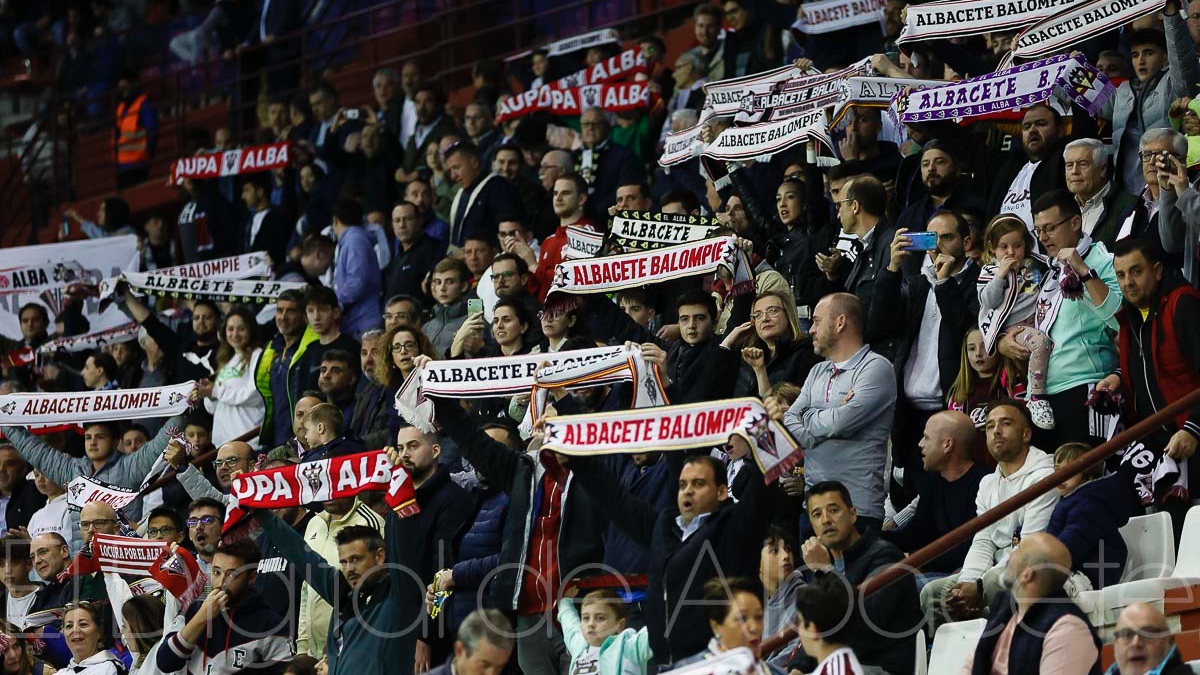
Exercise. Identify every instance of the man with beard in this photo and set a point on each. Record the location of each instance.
(195, 355)
(1036, 169)
(415, 254)
(446, 509)
(480, 198)
(940, 176)
(420, 192)
(431, 125)
(554, 165)
(205, 518)
(508, 162)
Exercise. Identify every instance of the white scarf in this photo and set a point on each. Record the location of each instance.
(95, 406)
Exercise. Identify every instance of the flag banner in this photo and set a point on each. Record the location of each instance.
(723, 98)
(582, 243)
(960, 18)
(83, 490)
(1017, 87)
(605, 36)
(80, 261)
(620, 66)
(645, 231)
(828, 16)
(789, 98)
(25, 356)
(614, 97)
(678, 427)
(738, 661)
(874, 92)
(243, 266)
(325, 480)
(180, 573)
(758, 140)
(680, 146)
(93, 340)
(126, 555)
(618, 272)
(483, 378)
(218, 290)
(40, 277)
(231, 162)
(95, 406)
(1078, 22)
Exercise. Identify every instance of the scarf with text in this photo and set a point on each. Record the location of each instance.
(761, 140)
(873, 92)
(189, 288)
(126, 555)
(617, 67)
(614, 97)
(93, 340)
(678, 427)
(234, 267)
(774, 101)
(644, 230)
(33, 278)
(1018, 87)
(179, 572)
(960, 18)
(582, 243)
(723, 98)
(321, 481)
(624, 363)
(95, 406)
(604, 36)
(628, 270)
(83, 490)
(1078, 22)
(738, 661)
(484, 378)
(680, 146)
(231, 162)
(828, 16)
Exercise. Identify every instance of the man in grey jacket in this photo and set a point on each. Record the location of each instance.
(843, 415)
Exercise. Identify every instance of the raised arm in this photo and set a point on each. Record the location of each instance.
(134, 467)
(57, 466)
(326, 581)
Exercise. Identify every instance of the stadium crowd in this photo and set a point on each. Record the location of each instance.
(941, 314)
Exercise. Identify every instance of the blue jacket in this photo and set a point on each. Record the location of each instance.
(478, 555)
(1087, 522)
(357, 281)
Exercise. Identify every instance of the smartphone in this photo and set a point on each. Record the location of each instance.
(474, 306)
(921, 241)
(352, 113)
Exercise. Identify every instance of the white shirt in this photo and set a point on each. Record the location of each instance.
(587, 663)
(236, 405)
(922, 376)
(56, 517)
(18, 609)
(408, 121)
(1093, 209)
(1017, 199)
(256, 222)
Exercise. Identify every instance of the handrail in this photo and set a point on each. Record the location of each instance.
(917, 559)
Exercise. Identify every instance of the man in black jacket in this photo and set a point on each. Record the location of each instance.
(929, 326)
(20, 496)
(1035, 169)
(944, 190)
(195, 356)
(266, 228)
(707, 535)
(415, 255)
(482, 196)
(893, 614)
(553, 528)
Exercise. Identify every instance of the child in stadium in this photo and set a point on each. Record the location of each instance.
(825, 617)
(597, 638)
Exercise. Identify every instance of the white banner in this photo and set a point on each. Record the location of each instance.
(758, 140)
(958, 18)
(790, 98)
(724, 97)
(94, 406)
(95, 258)
(680, 146)
(93, 340)
(83, 490)
(1079, 22)
(219, 290)
(876, 92)
(582, 243)
(828, 16)
(234, 267)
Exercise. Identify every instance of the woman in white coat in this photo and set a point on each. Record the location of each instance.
(232, 398)
(87, 632)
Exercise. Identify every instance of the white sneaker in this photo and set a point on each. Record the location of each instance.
(1042, 414)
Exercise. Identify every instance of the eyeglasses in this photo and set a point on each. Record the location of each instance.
(159, 531)
(843, 201)
(399, 316)
(404, 347)
(770, 312)
(1194, 16)
(202, 520)
(1127, 634)
(1149, 155)
(1046, 231)
(99, 522)
(496, 276)
(230, 462)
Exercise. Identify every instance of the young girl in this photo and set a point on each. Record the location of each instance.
(597, 638)
(1008, 296)
(982, 378)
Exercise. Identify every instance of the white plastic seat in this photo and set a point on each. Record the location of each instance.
(1189, 546)
(1151, 543)
(953, 644)
(921, 666)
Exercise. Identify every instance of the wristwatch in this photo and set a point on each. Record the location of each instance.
(1091, 274)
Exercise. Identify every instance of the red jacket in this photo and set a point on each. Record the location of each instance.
(552, 247)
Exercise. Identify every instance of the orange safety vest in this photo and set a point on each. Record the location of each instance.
(131, 138)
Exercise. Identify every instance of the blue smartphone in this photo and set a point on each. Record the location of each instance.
(921, 241)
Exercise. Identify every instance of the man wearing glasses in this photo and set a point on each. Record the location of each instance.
(97, 518)
(1143, 644)
(204, 521)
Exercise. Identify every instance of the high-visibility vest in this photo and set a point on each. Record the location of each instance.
(131, 138)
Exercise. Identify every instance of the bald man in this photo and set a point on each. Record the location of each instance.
(946, 490)
(97, 517)
(1036, 628)
(1143, 644)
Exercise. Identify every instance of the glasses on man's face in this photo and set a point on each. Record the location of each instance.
(497, 276)
(398, 316)
(202, 520)
(230, 462)
(404, 347)
(843, 201)
(771, 312)
(164, 531)
(1048, 230)
(1150, 155)
(99, 522)
(1127, 634)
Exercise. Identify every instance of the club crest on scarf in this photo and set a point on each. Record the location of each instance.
(313, 473)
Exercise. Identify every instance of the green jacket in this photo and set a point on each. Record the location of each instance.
(627, 647)
(262, 380)
(1084, 335)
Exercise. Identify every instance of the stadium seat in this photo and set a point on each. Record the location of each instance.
(921, 667)
(1189, 546)
(1195, 666)
(953, 644)
(1151, 544)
